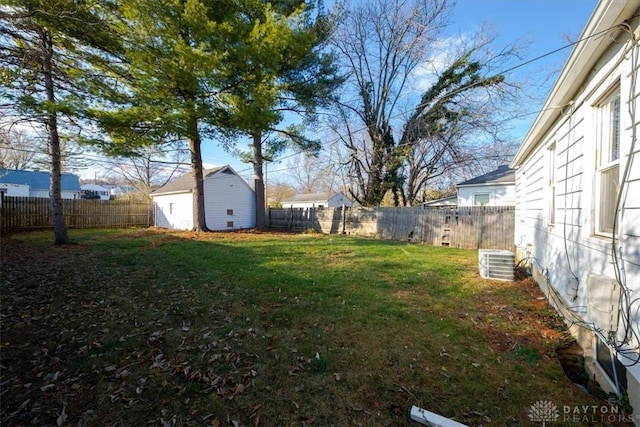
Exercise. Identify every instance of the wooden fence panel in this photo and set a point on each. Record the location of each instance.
(29, 213)
(471, 227)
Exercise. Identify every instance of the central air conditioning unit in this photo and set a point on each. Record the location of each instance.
(496, 264)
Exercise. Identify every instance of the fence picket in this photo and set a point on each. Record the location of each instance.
(28, 213)
(457, 227)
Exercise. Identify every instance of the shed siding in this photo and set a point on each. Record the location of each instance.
(228, 200)
(174, 211)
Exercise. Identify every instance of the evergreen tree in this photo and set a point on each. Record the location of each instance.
(170, 79)
(45, 48)
(278, 66)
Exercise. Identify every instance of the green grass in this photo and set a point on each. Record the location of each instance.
(139, 326)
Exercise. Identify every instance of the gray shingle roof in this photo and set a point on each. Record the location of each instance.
(185, 183)
(38, 180)
(503, 175)
(309, 197)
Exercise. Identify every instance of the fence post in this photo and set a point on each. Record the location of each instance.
(2, 211)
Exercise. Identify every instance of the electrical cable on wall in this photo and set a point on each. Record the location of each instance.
(617, 249)
(565, 239)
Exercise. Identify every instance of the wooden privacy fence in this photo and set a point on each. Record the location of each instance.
(30, 213)
(473, 227)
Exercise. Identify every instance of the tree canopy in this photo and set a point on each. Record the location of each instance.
(283, 72)
(45, 49)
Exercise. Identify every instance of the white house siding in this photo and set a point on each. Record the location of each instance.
(15, 190)
(174, 211)
(566, 252)
(229, 202)
(339, 200)
(499, 195)
(304, 205)
(18, 190)
(44, 194)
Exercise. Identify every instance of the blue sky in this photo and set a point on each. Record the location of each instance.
(541, 25)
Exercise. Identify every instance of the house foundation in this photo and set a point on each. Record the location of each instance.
(588, 340)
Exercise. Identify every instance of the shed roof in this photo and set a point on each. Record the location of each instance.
(38, 180)
(185, 183)
(503, 175)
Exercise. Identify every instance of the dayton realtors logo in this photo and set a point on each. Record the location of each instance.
(545, 411)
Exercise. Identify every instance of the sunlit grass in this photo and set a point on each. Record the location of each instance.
(271, 329)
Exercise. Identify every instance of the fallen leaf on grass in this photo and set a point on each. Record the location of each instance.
(62, 418)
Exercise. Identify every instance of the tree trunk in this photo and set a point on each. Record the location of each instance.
(199, 218)
(261, 220)
(55, 187)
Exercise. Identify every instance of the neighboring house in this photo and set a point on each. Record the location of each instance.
(577, 210)
(229, 202)
(88, 191)
(445, 201)
(495, 188)
(317, 200)
(22, 183)
(116, 191)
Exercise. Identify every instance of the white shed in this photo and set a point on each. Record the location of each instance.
(495, 188)
(229, 202)
(317, 200)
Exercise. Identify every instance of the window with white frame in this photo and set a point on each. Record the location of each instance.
(608, 164)
(481, 199)
(551, 189)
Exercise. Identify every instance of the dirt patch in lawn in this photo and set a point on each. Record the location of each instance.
(534, 322)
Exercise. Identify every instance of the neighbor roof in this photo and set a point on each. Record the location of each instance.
(503, 175)
(309, 197)
(185, 183)
(38, 180)
(445, 201)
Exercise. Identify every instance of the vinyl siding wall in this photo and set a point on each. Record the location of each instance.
(565, 252)
(174, 211)
(229, 202)
(500, 195)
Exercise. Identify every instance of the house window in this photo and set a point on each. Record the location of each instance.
(608, 171)
(229, 212)
(481, 199)
(551, 190)
(230, 224)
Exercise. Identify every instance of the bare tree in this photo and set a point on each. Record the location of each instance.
(16, 149)
(381, 43)
(386, 44)
(312, 173)
(277, 192)
(151, 166)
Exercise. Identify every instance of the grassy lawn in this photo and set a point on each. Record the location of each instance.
(145, 327)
